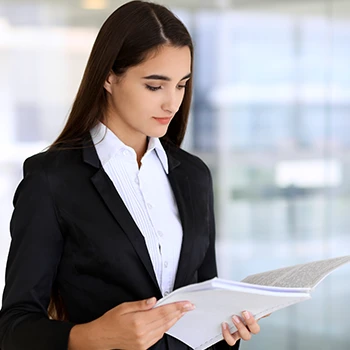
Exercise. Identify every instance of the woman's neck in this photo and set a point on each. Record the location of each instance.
(137, 142)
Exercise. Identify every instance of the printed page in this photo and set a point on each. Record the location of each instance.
(299, 276)
(201, 327)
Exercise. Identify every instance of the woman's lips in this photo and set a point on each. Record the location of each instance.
(163, 120)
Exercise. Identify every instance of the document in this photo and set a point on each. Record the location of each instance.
(217, 300)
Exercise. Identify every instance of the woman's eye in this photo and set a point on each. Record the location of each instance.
(181, 87)
(153, 88)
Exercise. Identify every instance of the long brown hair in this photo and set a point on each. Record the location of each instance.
(127, 37)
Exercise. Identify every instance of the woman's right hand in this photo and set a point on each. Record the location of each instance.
(133, 325)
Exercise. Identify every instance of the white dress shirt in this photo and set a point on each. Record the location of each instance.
(148, 196)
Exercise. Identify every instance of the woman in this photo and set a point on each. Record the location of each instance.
(111, 218)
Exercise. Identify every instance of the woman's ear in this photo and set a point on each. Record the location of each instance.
(111, 78)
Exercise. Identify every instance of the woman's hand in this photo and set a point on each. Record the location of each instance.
(245, 328)
(133, 325)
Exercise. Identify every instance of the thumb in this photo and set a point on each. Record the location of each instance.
(140, 305)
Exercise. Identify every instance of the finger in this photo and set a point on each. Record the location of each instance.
(173, 308)
(182, 306)
(236, 336)
(230, 339)
(167, 322)
(160, 327)
(250, 322)
(241, 328)
(140, 305)
(153, 323)
(163, 314)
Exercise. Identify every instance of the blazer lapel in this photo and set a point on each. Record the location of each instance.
(179, 182)
(180, 185)
(115, 204)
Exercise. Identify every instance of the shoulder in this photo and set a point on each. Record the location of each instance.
(53, 159)
(191, 160)
(47, 171)
(194, 165)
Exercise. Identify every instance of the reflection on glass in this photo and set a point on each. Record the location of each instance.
(270, 117)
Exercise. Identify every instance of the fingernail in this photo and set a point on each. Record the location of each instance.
(224, 325)
(150, 301)
(188, 307)
(246, 315)
(236, 319)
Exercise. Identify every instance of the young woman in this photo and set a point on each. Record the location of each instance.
(115, 215)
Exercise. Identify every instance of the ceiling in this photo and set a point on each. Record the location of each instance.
(73, 13)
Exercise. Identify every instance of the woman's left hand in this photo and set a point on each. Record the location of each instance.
(246, 326)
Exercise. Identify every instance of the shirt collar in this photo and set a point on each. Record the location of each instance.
(155, 144)
(108, 145)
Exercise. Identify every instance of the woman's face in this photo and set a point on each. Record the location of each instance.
(144, 100)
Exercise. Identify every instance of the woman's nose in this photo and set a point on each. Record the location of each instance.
(170, 104)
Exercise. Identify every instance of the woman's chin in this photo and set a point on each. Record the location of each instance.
(160, 132)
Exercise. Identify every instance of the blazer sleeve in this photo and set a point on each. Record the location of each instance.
(33, 259)
(208, 268)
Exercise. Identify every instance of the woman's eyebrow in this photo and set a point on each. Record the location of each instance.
(163, 77)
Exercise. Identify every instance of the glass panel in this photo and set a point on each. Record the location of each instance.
(272, 123)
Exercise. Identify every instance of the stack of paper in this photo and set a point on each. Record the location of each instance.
(217, 300)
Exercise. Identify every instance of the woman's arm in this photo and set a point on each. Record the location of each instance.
(34, 256)
(208, 268)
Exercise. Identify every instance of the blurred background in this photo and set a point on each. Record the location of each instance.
(270, 116)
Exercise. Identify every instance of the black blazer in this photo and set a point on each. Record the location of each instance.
(71, 228)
